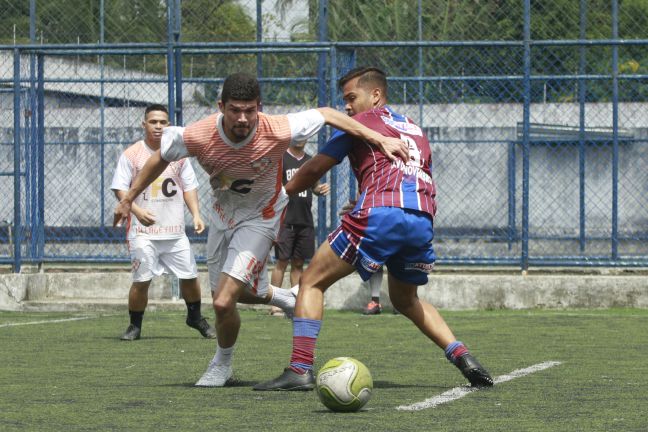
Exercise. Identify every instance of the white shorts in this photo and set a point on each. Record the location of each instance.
(154, 257)
(242, 252)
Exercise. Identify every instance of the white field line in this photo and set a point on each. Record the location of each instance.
(459, 392)
(47, 321)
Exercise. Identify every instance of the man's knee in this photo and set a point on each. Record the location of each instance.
(281, 264)
(297, 263)
(223, 305)
(140, 288)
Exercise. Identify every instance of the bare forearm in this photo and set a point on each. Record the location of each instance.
(120, 194)
(191, 200)
(309, 173)
(300, 183)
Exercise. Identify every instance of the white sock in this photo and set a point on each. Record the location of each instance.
(375, 283)
(282, 298)
(223, 356)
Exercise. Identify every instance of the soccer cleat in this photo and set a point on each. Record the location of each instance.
(215, 376)
(372, 308)
(132, 333)
(203, 327)
(289, 380)
(473, 371)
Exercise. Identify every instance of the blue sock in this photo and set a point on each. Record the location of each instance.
(305, 332)
(455, 350)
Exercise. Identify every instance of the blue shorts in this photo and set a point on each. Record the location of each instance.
(400, 238)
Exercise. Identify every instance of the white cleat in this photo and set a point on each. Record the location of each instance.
(215, 376)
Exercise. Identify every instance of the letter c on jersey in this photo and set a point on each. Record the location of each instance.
(241, 186)
(165, 188)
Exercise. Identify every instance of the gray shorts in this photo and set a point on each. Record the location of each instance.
(242, 252)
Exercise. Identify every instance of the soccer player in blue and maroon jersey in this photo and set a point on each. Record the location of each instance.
(391, 225)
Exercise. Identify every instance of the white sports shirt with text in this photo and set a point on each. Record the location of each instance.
(164, 198)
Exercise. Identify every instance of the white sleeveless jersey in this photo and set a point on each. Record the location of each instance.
(164, 197)
(246, 177)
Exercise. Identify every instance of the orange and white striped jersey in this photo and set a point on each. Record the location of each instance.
(164, 198)
(246, 177)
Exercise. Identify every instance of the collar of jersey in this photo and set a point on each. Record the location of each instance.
(236, 145)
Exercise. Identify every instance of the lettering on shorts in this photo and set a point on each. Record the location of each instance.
(253, 270)
(424, 267)
(369, 265)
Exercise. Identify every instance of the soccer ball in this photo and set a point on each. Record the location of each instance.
(344, 384)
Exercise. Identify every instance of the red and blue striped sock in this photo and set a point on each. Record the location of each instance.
(455, 350)
(305, 332)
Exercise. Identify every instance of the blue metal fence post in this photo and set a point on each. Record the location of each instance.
(102, 116)
(17, 225)
(420, 62)
(177, 28)
(40, 140)
(31, 164)
(525, 135)
(512, 230)
(170, 60)
(259, 37)
(334, 172)
(322, 36)
(615, 131)
(581, 131)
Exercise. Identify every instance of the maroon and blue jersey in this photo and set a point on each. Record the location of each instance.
(384, 183)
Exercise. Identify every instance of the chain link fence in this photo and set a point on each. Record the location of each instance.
(536, 112)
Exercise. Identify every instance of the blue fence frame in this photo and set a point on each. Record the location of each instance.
(29, 137)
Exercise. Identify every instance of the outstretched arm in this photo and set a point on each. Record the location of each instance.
(309, 173)
(392, 147)
(152, 169)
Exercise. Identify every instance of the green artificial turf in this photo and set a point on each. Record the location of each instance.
(78, 376)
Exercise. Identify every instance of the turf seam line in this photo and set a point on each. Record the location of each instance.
(459, 392)
(47, 321)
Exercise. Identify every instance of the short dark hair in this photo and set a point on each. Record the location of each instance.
(368, 75)
(240, 86)
(155, 107)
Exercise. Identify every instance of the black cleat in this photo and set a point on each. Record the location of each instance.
(132, 333)
(289, 380)
(473, 371)
(203, 327)
(373, 308)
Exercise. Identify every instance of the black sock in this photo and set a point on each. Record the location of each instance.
(193, 311)
(376, 299)
(136, 318)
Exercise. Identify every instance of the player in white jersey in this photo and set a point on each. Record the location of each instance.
(242, 149)
(156, 237)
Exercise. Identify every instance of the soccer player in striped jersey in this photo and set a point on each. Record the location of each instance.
(156, 237)
(391, 225)
(242, 149)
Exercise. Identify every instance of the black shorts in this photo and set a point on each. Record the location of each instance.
(295, 241)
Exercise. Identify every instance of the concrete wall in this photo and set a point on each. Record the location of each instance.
(76, 291)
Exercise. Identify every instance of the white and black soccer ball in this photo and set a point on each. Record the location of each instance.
(344, 384)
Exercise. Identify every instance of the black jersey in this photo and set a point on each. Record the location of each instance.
(298, 211)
